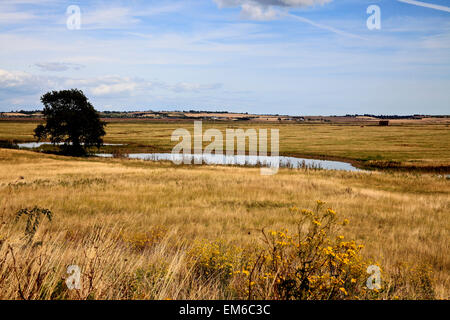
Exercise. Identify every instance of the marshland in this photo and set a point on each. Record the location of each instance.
(152, 229)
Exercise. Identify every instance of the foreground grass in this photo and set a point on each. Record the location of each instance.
(132, 225)
(415, 145)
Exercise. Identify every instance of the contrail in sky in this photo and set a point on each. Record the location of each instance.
(322, 26)
(426, 5)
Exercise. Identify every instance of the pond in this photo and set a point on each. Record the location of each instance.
(212, 159)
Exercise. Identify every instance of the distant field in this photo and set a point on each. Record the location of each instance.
(420, 145)
(230, 116)
(132, 225)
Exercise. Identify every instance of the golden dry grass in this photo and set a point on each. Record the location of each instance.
(101, 206)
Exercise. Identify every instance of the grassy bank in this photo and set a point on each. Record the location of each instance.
(135, 227)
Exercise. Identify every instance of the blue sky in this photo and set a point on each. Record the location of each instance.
(298, 57)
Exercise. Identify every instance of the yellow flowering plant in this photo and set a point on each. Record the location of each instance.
(215, 260)
(313, 263)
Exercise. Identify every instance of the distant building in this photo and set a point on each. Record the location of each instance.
(383, 123)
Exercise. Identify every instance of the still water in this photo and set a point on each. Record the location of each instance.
(213, 159)
(286, 162)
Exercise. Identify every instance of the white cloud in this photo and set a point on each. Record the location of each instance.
(266, 9)
(194, 87)
(271, 9)
(93, 16)
(106, 89)
(15, 17)
(58, 66)
(12, 12)
(19, 88)
(17, 84)
(12, 82)
(279, 3)
(12, 79)
(252, 12)
(110, 17)
(113, 85)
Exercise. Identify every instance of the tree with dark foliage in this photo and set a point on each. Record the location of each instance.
(72, 120)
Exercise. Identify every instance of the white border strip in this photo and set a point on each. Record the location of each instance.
(426, 5)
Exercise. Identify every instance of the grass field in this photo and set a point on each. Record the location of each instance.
(410, 145)
(135, 227)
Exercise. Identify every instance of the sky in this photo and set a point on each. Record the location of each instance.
(296, 57)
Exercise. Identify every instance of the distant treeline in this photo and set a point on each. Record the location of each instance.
(28, 112)
(414, 116)
(167, 111)
(180, 114)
